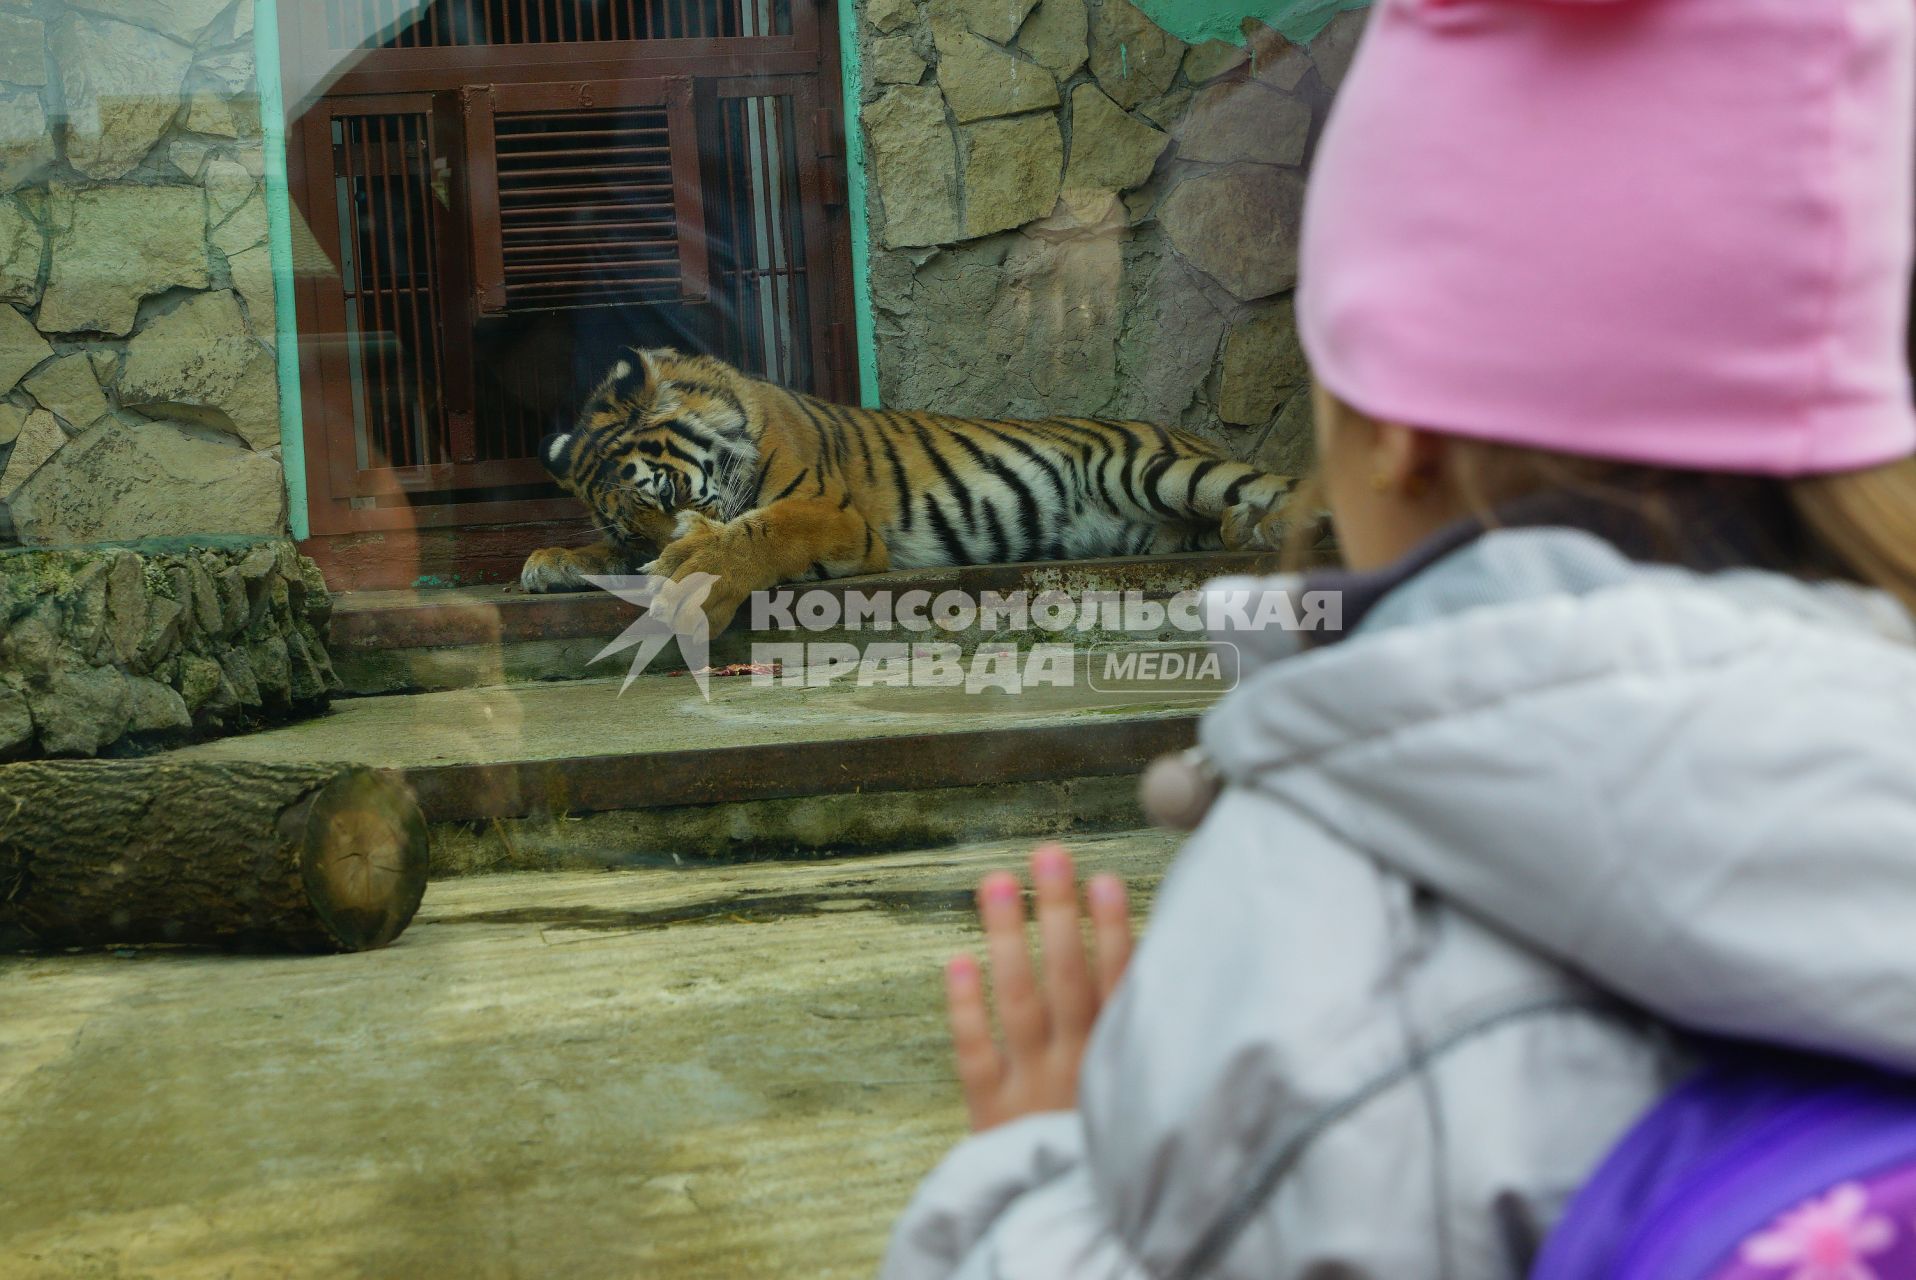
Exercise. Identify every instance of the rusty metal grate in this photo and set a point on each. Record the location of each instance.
(586, 196)
(448, 24)
(760, 278)
(389, 266)
(586, 209)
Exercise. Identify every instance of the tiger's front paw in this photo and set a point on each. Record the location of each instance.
(715, 575)
(563, 568)
(696, 600)
(695, 524)
(693, 537)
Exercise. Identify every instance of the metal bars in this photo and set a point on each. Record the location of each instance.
(585, 195)
(761, 279)
(448, 24)
(390, 255)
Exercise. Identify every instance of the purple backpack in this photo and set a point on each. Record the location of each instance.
(1776, 1169)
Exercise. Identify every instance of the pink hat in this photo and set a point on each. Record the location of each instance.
(1663, 231)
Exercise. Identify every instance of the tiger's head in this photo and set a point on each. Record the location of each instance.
(664, 433)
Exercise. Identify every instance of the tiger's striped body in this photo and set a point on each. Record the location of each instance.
(729, 475)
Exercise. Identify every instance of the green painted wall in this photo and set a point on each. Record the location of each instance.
(1194, 21)
(279, 213)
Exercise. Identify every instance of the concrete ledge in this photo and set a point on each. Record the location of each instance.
(1099, 747)
(461, 638)
(863, 822)
(573, 774)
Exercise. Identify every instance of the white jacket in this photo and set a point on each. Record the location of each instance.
(1366, 1034)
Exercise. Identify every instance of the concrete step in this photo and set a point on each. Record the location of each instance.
(575, 774)
(471, 637)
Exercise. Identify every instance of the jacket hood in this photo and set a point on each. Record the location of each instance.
(1697, 789)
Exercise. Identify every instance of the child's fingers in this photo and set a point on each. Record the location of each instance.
(1067, 979)
(1001, 909)
(981, 1067)
(1110, 928)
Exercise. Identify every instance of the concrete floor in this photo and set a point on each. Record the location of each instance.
(727, 1072)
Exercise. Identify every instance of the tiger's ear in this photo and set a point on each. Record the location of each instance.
(634, 381)
(652, 366)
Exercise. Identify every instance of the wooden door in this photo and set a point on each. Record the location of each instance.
(508, 192)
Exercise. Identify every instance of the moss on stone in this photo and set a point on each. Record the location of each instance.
(239, 639)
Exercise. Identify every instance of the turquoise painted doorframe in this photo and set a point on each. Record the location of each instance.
(279, 215)
(863, 331)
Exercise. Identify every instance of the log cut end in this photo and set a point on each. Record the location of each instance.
(364, 854)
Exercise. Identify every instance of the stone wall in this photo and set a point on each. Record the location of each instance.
(106, 649)
(138, 384)
(1075, 212)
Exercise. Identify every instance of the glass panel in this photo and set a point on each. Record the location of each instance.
(556, 561)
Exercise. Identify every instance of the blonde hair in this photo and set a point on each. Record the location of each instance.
(1866, 521)
(1857, 525)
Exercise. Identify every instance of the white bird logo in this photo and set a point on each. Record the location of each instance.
(673, 610)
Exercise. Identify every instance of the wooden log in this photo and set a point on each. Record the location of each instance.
(301, 857)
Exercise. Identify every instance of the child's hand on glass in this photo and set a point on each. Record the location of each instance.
(1036, 1068)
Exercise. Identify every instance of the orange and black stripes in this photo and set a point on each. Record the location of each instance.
(667, 434)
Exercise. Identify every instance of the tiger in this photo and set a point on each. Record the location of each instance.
(690, 466)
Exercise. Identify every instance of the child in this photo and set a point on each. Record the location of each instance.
(1607, 301)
